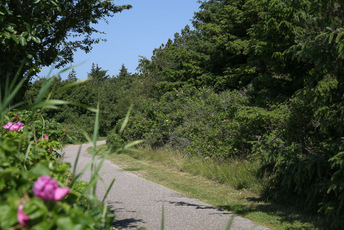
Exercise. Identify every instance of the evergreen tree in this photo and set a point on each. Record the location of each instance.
(97, 73)
(123, 72)
(72, 76)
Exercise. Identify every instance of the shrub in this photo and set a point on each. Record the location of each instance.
(304, 163)
(29, 146)
(191, 120)
(114, 140)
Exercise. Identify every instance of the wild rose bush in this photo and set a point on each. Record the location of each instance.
(48, 189)
(37, 190)
(13, 126)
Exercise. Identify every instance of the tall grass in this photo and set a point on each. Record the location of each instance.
(236, 172)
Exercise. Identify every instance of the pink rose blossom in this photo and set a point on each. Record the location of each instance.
(22, 217)
(13, 126)
(224, 120)
(16, 126)
(47, 189)
(46, 137)
(177, 95)
(8, 125)
(16, 115)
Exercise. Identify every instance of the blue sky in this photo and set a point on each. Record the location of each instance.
(133, 33)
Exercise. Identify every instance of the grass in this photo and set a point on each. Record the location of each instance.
(230, 185)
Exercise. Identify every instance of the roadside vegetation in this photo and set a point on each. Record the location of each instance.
(257, 83)
(224, 185)
(37, 190)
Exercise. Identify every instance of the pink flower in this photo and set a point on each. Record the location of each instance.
(46, 137)
(224, 120)
(16, 126)
(22, 217)
(16, 115)
(13, 126)
(8, 125)
(48, 189)
(257, 136)
(177, 95)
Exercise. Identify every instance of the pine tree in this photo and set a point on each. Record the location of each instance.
(72, 76)
(97, 73)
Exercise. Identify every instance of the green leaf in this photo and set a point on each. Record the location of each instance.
(108, 190)
(10, 29)
(48, 104)
(125, 120)
(7, 35)
(339, 36)
(39, 170)
(22, 41)
(35, 208)
(133, 144)
(163, 217)
(24, 34)
(341, 46)
(14, 38)
(36, 39)
(330, 38)
(65, 223)
(8, 217)
(230, 222)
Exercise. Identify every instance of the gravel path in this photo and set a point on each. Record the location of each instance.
(138, 202)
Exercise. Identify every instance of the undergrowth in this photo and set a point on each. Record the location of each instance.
(230, 185)
(239, 173)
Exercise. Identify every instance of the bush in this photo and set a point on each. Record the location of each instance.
(114, 140)
(304, 163)
(37, 189)
(200, 122)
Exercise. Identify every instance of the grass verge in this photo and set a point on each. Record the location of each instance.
(230, 186)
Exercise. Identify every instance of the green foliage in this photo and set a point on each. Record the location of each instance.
(253, 79)
(30, 151)
(35, 33)
(97, 74)
(189, 119)
(114, 96)
(114, 139)
(23, 159)
(298, 156)
(285, 59)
